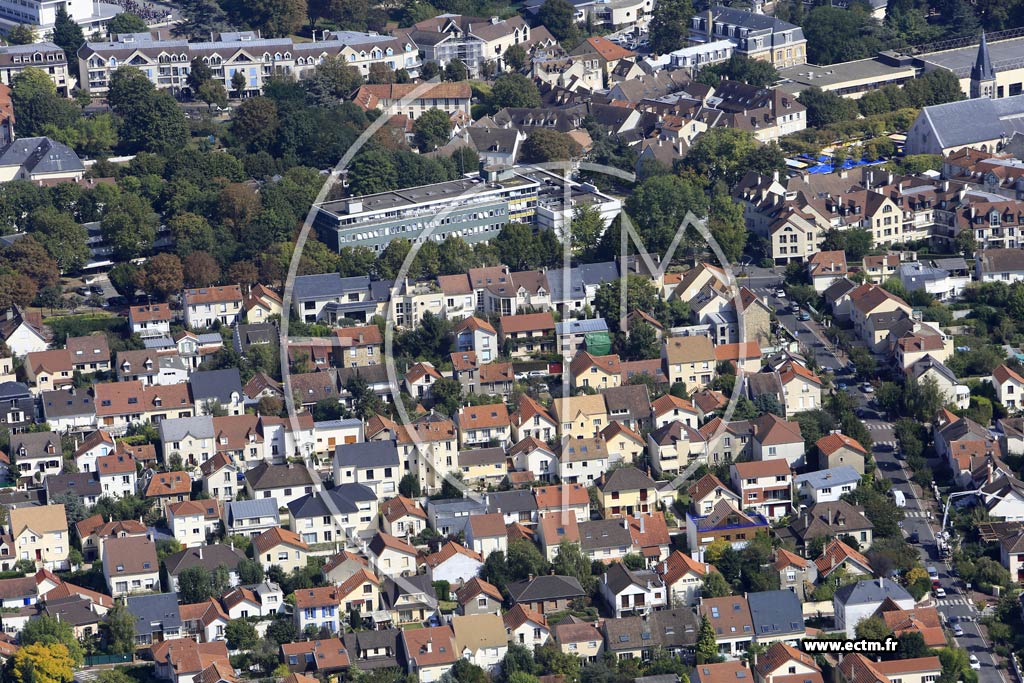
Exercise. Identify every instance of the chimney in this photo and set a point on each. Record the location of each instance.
(430, 645)
(711, 25)
(642, 523)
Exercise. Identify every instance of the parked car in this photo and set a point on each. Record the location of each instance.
(975, 664)
(958, 630)
(867, 388)
(940, 592)
(805, 316)
(914, 537)
(781, 293)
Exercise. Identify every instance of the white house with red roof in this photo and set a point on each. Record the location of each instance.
(1009, 386)
(454, 563)
(402, 517)
(117, 474)
(150, 320)
(205, 305)
(825, 267)
(476, 334)
(801, 388)
(683, 577)
(419, 378)
(782, 663)
(669, 408)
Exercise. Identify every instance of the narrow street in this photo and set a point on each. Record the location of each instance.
(956, 607)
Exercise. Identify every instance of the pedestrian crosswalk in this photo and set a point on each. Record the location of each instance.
(877, 426)
(915, 513)
(952, 602)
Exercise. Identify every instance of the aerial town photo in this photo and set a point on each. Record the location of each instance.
(511, 341)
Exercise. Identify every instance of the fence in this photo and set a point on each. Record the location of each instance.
(97, 660)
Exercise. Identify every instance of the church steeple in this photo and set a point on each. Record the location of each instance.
(983, 76)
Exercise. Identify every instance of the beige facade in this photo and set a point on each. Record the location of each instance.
(41, 535)
(689, 360)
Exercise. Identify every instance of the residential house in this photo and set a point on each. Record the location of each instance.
(579, 638)
(476, 335)
(374, 464)
(130, 565)
(582, 460)
(483, 466)
(453, 563)
(116, 473)
(667, 409)
(826, 486)
(1009, 386)
(628, 592)
(546, 594)
(626, 491)
(429, 652)
(93, 532)
(402, 517)
(157, 617)
(596, 372)
(209, 556)
(204, 621)
(838, 555)
(527, 334)
(98, 444)
(183, 660)
(220, 477)
(623, 444)
(580, 416)
(206, 305)
(410, 600)
(214, 391)
(486, 534)
(535, 458)
(89, 354)
(49, 370)
(683, 578)
(37, 454)
(764, 486)
(318, 608)
(150, 320)
(280, 547)
(284, 483)
(796, 574)
(838, 450)
(777, 616)
(689, 360)
(707, 491)
(526, 627)
(731, 621)
(723, 523)
(393, 556)
(782, 660)
(481, 639)
(326, 656)
(477, 596)
(194, 522)
(483, 424)
(39, 534)
(857, 601)
(251, 517)
(801, 388)
(856, 668)
(532, 419)
(778, 439)
(831, 520)
(168, 488)
(825, 267)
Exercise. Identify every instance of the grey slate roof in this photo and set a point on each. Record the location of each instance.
(265, 476)
(627, 478)
(833, 476)
(775, 613)
(216, 385)
(597, 534)
(968, 121)
(874, 591)
(254, 334)
(618, 578)
(327, 286)
(342, 499)
(579, 278)
(251, 509)
(482, 456)
(79, 483)
(63, 403)
(154, 613)
(507, 502)
(212, 557)
(367, 454)
(40, 155)
(551, 587)
(633, 399)
(177, 429)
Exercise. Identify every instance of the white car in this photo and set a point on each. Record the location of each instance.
(781, 293)
(975, 664)
(867, 388)
(940, 592)
(958, 630)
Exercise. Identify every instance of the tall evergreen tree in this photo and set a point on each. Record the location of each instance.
(68, 36)
(670, 25)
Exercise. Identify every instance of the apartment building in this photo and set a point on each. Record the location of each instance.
(166, 60)
(470, 40)
(757, 36)
(207, 305)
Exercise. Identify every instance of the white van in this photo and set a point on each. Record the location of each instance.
(899, 498)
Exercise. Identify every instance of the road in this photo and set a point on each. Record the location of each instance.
(811, 335)
(956, 607)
